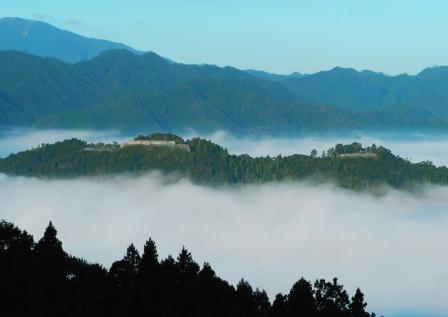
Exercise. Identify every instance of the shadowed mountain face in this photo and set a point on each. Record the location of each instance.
(422, 96)
(121, 90)
(45, 40)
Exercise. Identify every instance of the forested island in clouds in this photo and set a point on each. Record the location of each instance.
(41, 279)
(351, 166)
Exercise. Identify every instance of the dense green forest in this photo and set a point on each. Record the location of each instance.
(41, 279)
(120, 90)
(350, 166)
(131, 92)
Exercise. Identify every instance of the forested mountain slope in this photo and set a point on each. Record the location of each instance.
(124, 91)
(424, 95)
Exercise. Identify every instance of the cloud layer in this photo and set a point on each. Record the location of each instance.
(393, 246)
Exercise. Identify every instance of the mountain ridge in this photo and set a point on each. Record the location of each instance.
(176, 95)
(121, 90)
(131, 90)
(45, 40)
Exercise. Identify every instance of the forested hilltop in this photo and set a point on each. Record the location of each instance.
(351, 166)
(41, 279)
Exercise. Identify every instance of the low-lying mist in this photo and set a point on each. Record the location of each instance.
(393, 246)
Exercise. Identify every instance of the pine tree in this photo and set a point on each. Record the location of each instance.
(133, 258)
(187, 267)
(148, 282)
(149, 260)
(49, 240)
(301, 300)
(49, 249)
(358, 305)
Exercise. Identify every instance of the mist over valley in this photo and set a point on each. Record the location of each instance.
(234, 159)
(324, 231)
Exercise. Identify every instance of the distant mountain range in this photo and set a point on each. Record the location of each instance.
(128, 90)
(273, 77)
(42, 39)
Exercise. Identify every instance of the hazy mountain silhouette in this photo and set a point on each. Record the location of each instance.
(42, 39)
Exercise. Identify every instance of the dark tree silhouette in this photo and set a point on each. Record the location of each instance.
(331, 299)
(262, 303)
(122, 277)
(358, 305)
(49, 249)
(301, 301)
(42, 280)
(150, 258)
(17, 294)
(279, 306)
(246, 298)
(12, 238)
(148, 285)
(187, 267)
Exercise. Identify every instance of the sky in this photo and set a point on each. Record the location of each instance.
(390, 36)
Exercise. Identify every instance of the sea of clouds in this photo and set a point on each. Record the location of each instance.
(394, 246)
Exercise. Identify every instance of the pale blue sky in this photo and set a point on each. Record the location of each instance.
(392, 36)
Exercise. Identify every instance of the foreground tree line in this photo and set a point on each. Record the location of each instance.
(209, 163)
(41, 279)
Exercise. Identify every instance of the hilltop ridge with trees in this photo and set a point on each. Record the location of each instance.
(209, 163)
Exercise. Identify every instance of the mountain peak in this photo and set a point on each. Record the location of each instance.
(434, 71)
(45, 40)
(16, 20)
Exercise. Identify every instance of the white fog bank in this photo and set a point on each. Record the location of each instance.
(394, 247)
